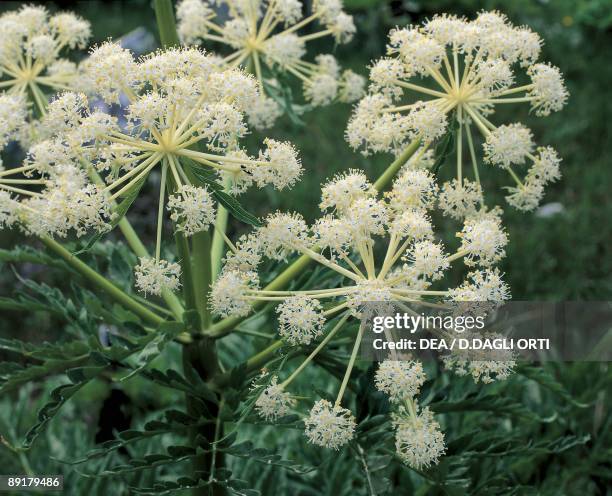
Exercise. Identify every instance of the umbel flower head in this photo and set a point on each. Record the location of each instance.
(344, 242)
(273, 402)
(41, 199)
(400, 379)
(419, 442)
(264, 37)
(459, 72)
(13, 184)
(330, 426)
(185, 118)
(31, 43)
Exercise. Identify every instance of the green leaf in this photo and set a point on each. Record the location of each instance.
(482, 401)
(59, 396)
(43, 351)
(173, 421)
(27, 254)
(155, 344)
(236, 209)
(229, 202)
(265, 456)
(445, 146)
(543, 377)
(222, 478)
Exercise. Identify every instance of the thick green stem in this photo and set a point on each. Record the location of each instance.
(226, 325)
(218, 242)
(184, 255)
(202, 274)
(201, 264)
(383, 181)
(200, 357)
(101, 282)
(166, 25)
(182, 248)
(200, 362)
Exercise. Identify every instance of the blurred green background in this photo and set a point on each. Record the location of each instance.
(563, 255)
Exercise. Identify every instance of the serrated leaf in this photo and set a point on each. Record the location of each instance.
(155, 344)
(173, 380)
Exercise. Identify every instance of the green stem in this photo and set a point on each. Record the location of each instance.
(25, 463)
(101, 282)
(515, 177)
(182, 248)
(201, 261)
(255, 362)
(139, 249)
(39, 99)
(200, 357)
(226, 325)
(202, 274)
(351, 364)
(220, 227)
(200, 363)
(314, 353)
(160, 211)
(385, 179)
(472, 154)
(166, 25)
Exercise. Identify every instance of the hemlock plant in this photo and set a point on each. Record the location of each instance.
(185, 112)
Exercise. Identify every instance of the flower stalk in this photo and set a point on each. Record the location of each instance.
(101, 282)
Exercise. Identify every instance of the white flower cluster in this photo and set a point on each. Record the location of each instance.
(152, 276)
(400, 379)
(192, 209)
(31, 41)
(300, 320)
(472, 67)
(486, 371)
(329, 426)
(13, 117)
(47, 196)
(419, 442)
(273, 402)
(264, 37)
